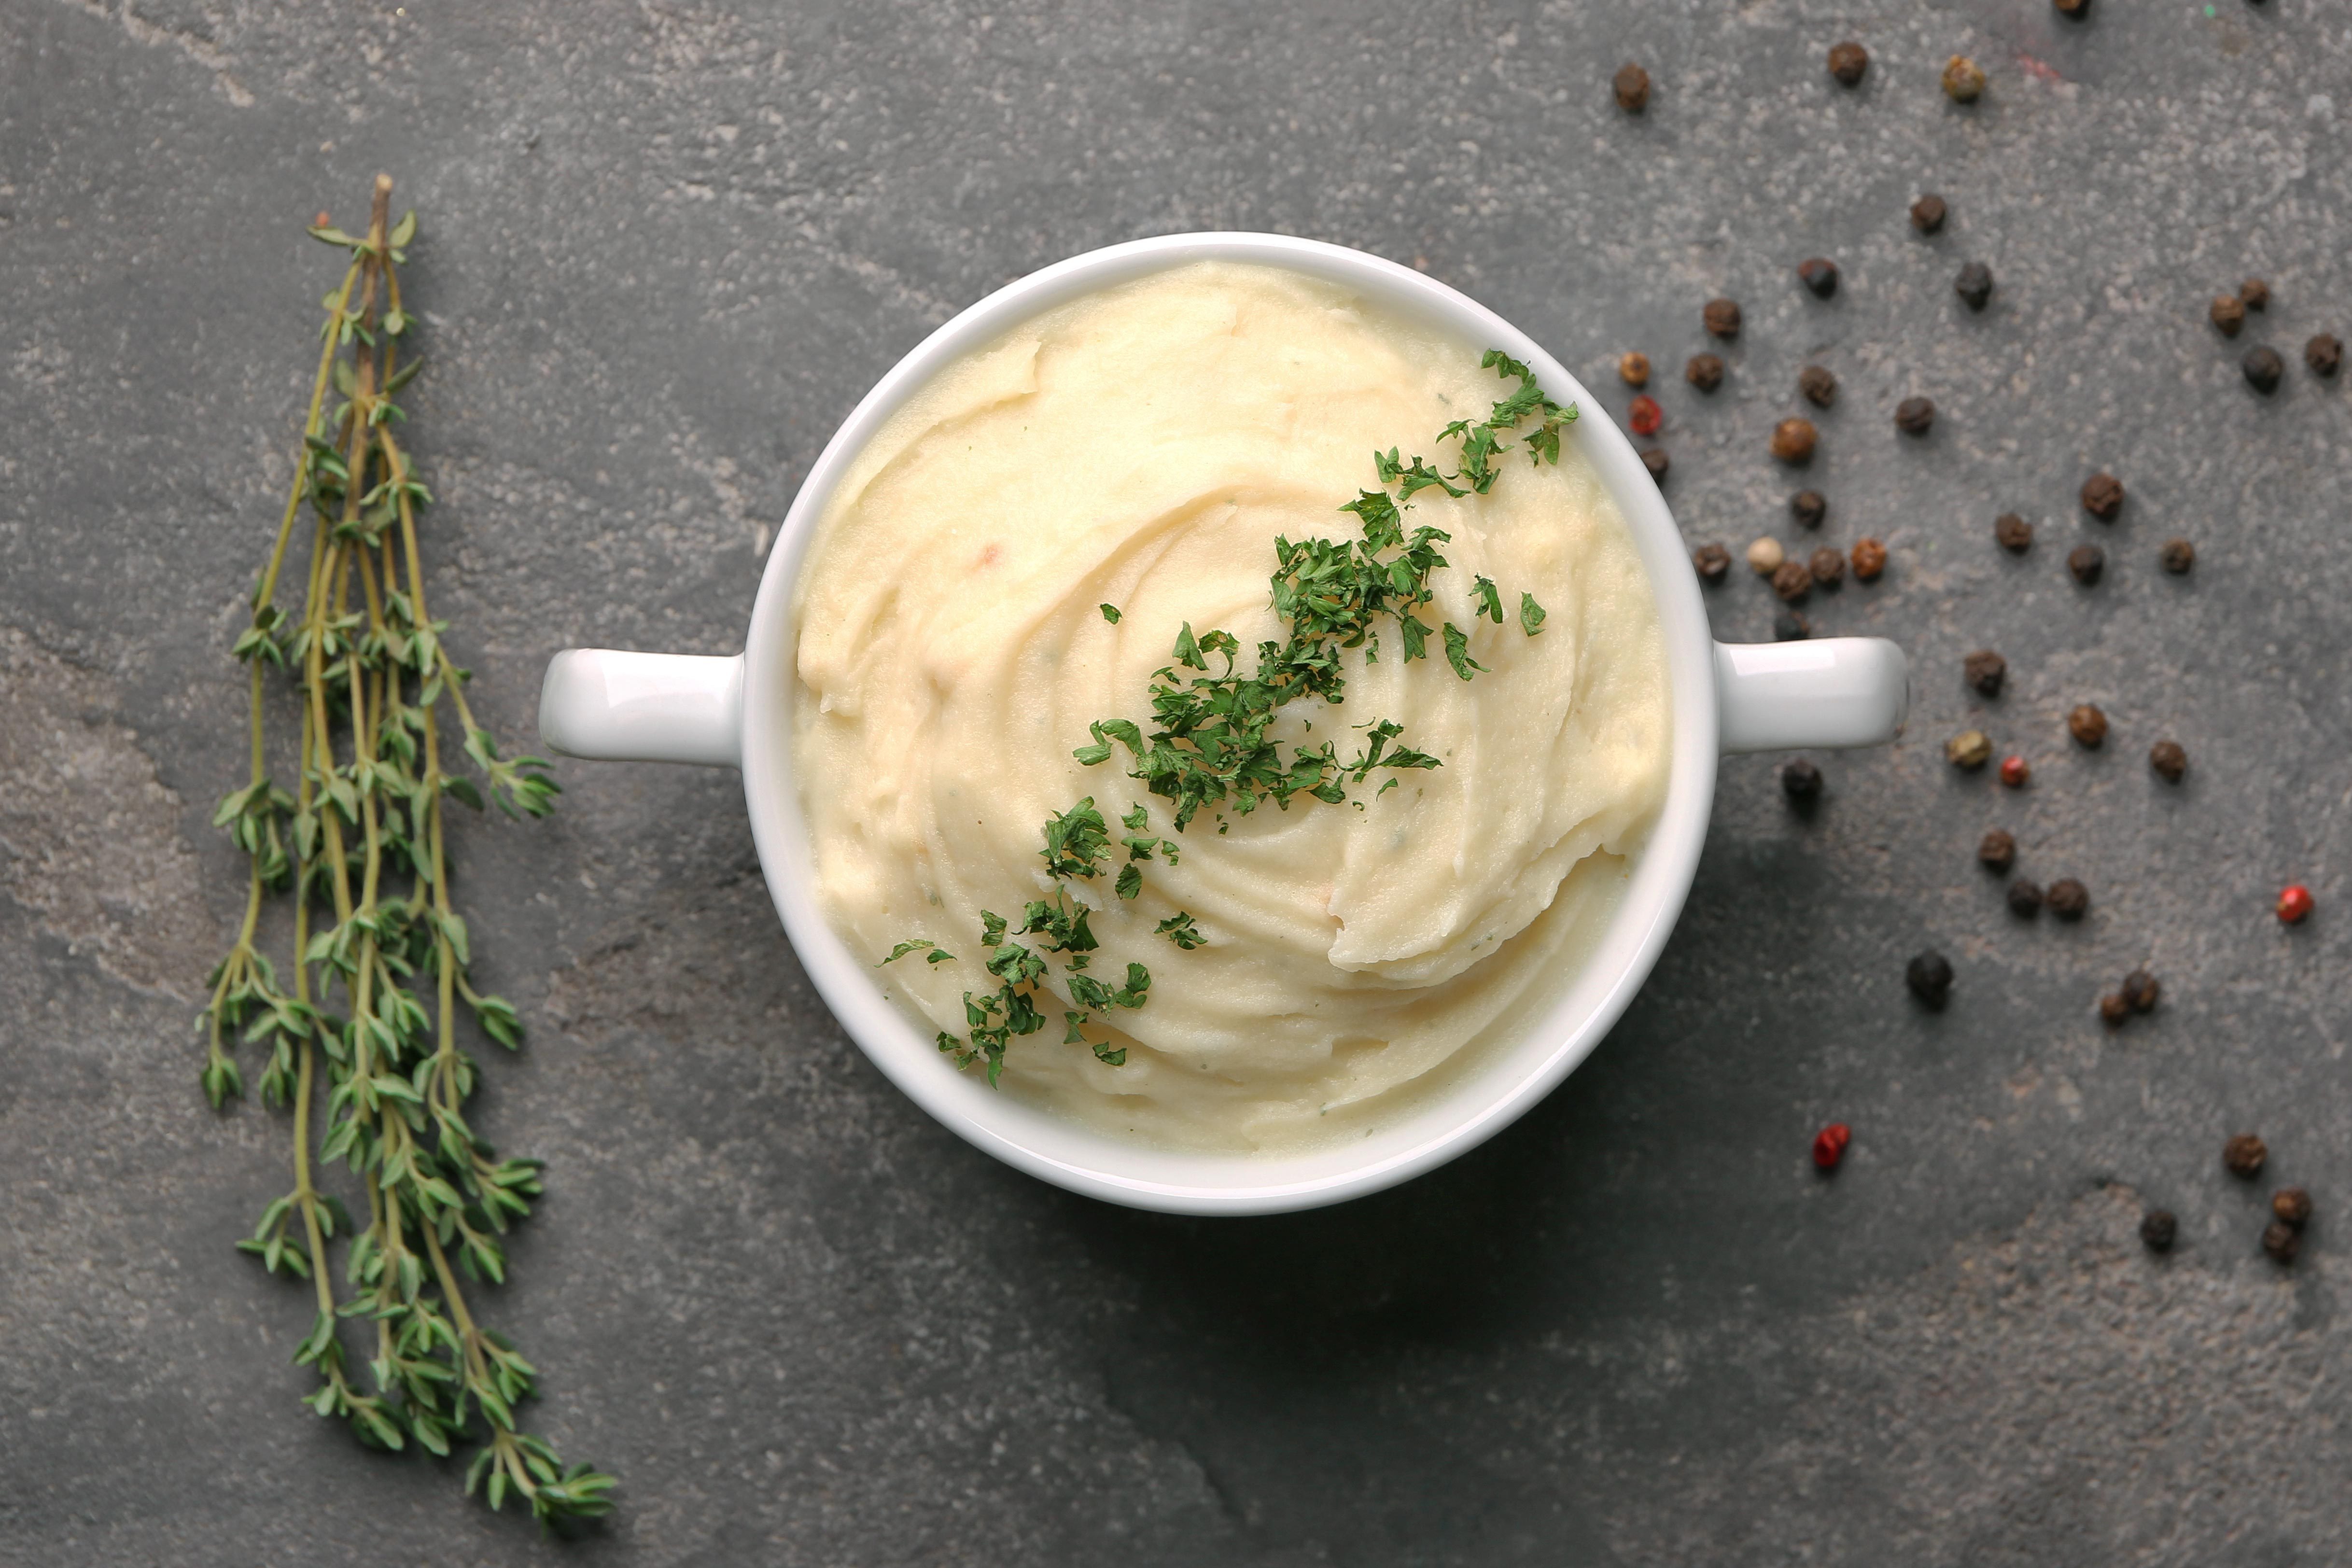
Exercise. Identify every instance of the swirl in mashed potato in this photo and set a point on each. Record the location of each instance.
(1143, 446)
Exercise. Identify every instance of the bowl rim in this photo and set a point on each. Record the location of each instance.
(1140, 1174)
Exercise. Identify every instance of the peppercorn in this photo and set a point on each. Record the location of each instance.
(2228, 312)
(2012, 533)
(1970, 749)
(1634, 368)
(1869, 560)
(2295, 904)
(2114, 1009)
(2156, 1228)
(2292, 1206)
(1631, 84)
(1765, 556)
(1801, 779)
(1828, 566)
(1915, 416)
(2087, 725)
(2324, 354)
(1819, 274)
(1930, 976)
(1791, 580)
(2141, 991)
(1974, 285)
(2254, 294)
(2262, 367)
(1964, 79)
(2068, 899)
(1711, 562)
(1818, 385)
(2086, 562)
(2103, 496)
(1997, 850)
(1848, 61)
(2281, 1241)
(1790, 627)
(1655, 461)
(1807, 508)
(2177, 556)
(2169, 761)
(1830, 1145)
(1792, 440)
(1721, 318)
(1927, 214)
(2024, 898)
(1703, 372)
(1645, 415)
(2077, 9)
(2244, 1154)
(1985, 670)
(2014, 772)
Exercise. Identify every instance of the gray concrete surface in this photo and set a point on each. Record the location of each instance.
(667, 247)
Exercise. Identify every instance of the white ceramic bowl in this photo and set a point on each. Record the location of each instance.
(600, 703)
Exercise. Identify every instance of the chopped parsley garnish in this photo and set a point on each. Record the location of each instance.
(1209, 745)
(932, 952)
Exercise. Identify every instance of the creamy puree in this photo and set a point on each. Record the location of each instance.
(1143, 446)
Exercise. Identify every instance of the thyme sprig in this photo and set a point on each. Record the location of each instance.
(381, 952)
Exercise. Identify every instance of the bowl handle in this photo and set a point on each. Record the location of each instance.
(1838, 691)
(616, 707)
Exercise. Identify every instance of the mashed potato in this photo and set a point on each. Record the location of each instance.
(1143, 447)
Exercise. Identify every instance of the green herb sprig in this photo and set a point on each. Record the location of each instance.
(381, 952)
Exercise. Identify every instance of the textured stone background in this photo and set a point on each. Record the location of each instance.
(668, 245)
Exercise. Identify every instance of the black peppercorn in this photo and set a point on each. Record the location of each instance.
(1801, 780)
(1791, 580)
(1985, 670)
(1793, 440)
(2262, 367)
(1807, 508)
(2292, 1206)
(1974, 285)
(1818, 385)
(2177, 556)
(1712, 561)
(2114, 1009)
(2103, 496)
(1930, 976)
(1915, 416)
(2156, 1230)
(2078, 10)
(2281, 1241)
(1819, 274)
(1656, 462)
(1848, 61)
(1828, 567)
(2086, 562)
(2012, 533)
(2025, 897)
(1631, 84)
(2169, 760)
(1997, 850)
(2068, 899)
(2087, 725)
(2254, 294)
(1721, 318)
(1927, 214)
(2244, 1154)
(2141, 991)
(2227, 313)
(1703, 372)
(1790, 627)
(2324, 354)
